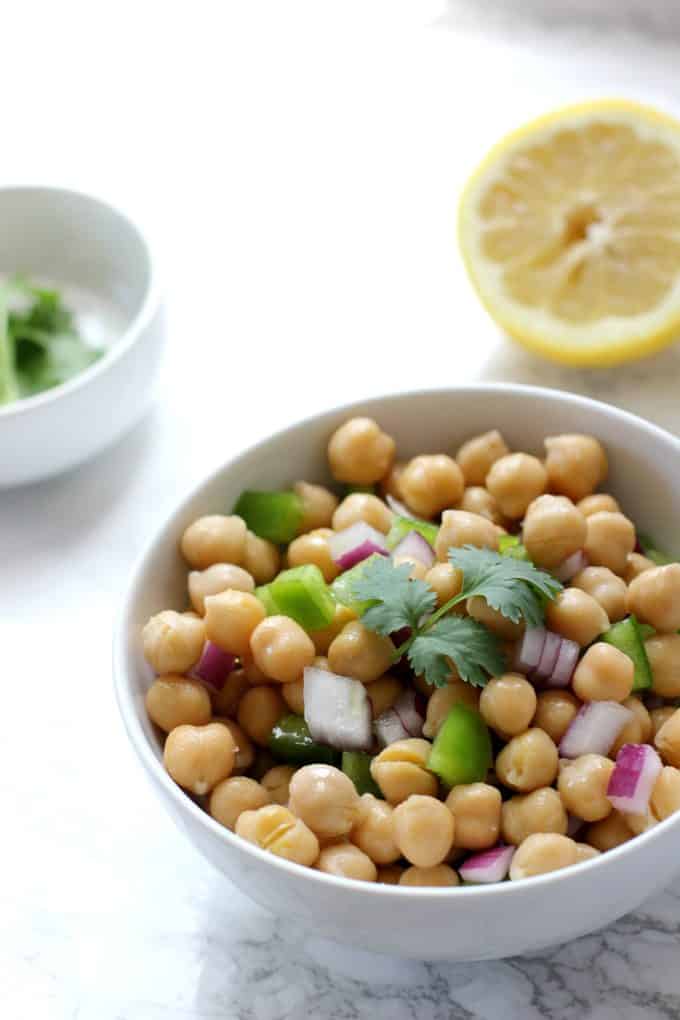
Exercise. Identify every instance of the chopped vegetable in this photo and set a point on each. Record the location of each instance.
(337, 710)
(646, 630)
(632, 781)
(398, 508)
(401, 526)
(549, 656)
(389, 728)
(415, 547)
(411, 718)
(356, 543)
(594, 729)
(214, 666)
(461, 752)
(652, 553)
(275, 516)
(264, 594)
(292, 742)
(572, 566)
(357, 765)
(488, 866)
(567, 660)
(303, 594)
(343, 586)
(529, 650)
(626, 636)
(510, 545)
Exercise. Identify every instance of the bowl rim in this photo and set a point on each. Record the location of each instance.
(184, 803)
(129, 336)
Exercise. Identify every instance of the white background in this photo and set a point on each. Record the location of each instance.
(299, 166)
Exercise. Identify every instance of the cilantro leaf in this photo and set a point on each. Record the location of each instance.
(396, 600)
(473, 649)
(516, 588)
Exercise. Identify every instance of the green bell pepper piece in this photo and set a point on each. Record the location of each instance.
(401, 527)
(263, 593)
(291, 741)
(357, 765)
(510, 545)
(626, 636)
(461, 752)
(275, 516)
(341, 588)
(303, 594)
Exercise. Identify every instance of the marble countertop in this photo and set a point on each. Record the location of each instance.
(299, 165)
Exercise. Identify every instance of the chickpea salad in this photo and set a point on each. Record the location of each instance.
(455, 669)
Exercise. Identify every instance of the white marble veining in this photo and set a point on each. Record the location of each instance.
(300, 164)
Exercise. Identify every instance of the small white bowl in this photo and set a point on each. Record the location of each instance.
(103, 265)
(468, 923)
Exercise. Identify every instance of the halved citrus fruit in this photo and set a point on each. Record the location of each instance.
(570, 231)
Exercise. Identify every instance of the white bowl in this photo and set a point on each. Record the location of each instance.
(457, 924)
(101, 261)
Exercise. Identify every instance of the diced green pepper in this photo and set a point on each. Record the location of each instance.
(263, 593)
(626, 636)
(303, 594)
(461, 752)
(357, 765)
(510, 545)
(341, 588)
(652, 553)
(401, 527)
(273, 515)
(291, 741)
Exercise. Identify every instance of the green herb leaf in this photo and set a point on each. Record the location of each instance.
(9, 387)
(396, 600)
(516, 588)
(473, 649)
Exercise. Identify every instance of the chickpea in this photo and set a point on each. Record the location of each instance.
(323, 638)
(576, 615)
(226, 701)
(528, 761)
(383, 693)
(609, 541)
(347, 861)
(476, 810)
(654, 597)
(439, 875)
(555, 711)
(598, 502)
(244, 752)
(460, 528)
(216, 579)
(401, 770)
(442, 701)
(360, 453)
(214, 539)
(515, 481)
(576, 465)
(325, 799)
(253, 673)
(542, 852)
(173, 642)
(232, 797)
(507, 704)
(261, 558)
(294, 696)
(423, 830)
(390, 485)
(174, 700)
(540, 811)
(390, 875)
(230, 619)
(314, 548)
(276, 783)
(637, 730)
(666, 793)
(667, 740)
(477, 456)
(363, 506)
(636, 565)
(360, 653)
(258, 710)
(418, 570)
(281, 648)
(318, 506)
(494, 621)
(582, 785)
(606, 588)
(276, 829)
(603, 674)
(478, 500)
(446, 580)
(431, 482)
(584, 852)
(373, 832)
(659, 716)
(609, 833)
(199, 757)
(553, 530)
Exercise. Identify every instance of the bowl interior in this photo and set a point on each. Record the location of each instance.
(84, 247)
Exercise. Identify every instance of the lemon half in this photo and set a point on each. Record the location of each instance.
(570, 231)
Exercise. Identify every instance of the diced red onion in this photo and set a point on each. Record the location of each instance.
(549, 656)
(632, 781)
(529, 649)
(565, 665)
(409, 716)
(214, 666)
(488, 866)
(415, 547)
(337, 710)
(356, 543)
(572, 566)
(389, 728)
(399, 508)
(594, 729)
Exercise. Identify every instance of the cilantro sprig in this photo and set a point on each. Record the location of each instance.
(394, 601)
